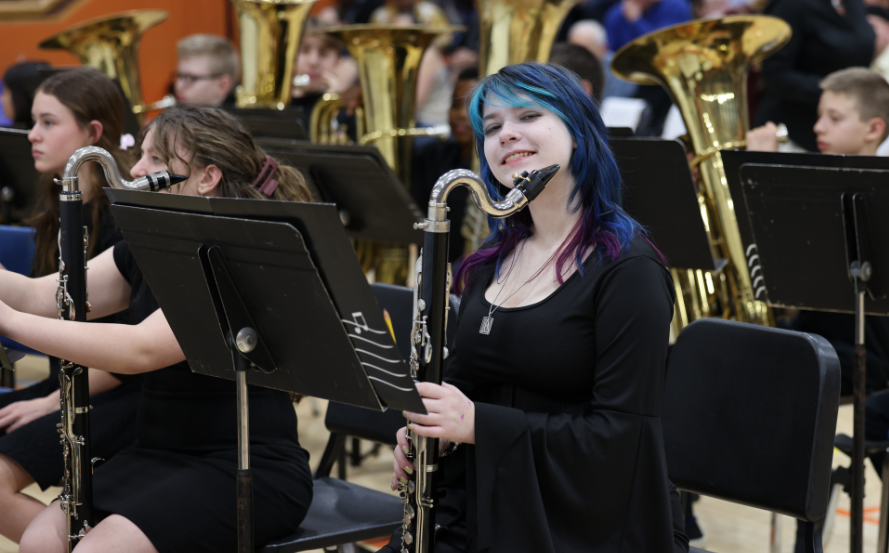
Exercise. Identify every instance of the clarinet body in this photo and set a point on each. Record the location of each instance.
(72, 302)
(428, 344)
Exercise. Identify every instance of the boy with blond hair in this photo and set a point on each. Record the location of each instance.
(207, 70)
(853, 115)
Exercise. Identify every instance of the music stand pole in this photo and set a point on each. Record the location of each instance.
(244, 343)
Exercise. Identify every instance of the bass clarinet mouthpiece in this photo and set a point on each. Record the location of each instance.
(531, 185)
(163, 179)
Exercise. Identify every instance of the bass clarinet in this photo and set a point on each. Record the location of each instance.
(72, 302)
(428, 348)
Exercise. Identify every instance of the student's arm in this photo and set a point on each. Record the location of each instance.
(124, 349)
(109, 292)
(18, 414)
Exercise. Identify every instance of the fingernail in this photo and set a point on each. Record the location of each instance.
(406, 449)
(403, 480)
(404, 414)
(408, 470)
(410, 426)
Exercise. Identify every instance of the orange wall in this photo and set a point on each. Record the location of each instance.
(157, 53)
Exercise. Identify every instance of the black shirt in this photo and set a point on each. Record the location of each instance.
(823, 41)
(567, 396)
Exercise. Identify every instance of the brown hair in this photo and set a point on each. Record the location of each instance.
(200, 136)
(315, 29)
(222, 54)
(867, 89)
(90, 96)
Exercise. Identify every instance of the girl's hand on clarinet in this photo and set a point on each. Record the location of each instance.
(18, 414)
(451, 415)
(401, 461)
(401, 456)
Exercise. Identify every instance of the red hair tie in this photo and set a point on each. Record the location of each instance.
(264, 181)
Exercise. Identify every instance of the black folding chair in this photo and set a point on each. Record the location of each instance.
(749, 416)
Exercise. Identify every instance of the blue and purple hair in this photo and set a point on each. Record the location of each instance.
(603, 222)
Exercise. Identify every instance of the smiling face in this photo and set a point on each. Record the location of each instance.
(56, 134)
(524, 139)
(840, 129)
(150, 162)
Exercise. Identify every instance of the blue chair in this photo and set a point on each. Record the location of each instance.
(16, 255)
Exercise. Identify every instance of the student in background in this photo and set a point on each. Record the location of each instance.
(207, 70)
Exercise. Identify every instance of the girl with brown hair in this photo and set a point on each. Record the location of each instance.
(71, 109)
(174, 489)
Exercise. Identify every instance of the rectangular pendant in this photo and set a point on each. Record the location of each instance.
(487, 323)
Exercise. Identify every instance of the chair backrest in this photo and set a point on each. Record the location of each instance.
(370, 425)
(17, 248)
(750, 414)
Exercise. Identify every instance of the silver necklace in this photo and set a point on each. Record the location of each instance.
(488, 321)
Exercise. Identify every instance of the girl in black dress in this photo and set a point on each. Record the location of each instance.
(558, 408)
(72, 109)
(174, 489)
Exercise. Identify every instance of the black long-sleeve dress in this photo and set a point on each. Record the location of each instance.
(823, 41)
(568, 452)
(177, 482)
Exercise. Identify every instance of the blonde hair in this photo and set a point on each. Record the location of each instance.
(867, 89)
(200, 136)
(223, 57)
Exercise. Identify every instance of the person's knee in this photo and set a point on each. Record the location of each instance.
(46, 533)
(13, 477)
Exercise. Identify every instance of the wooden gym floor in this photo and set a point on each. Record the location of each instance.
(729, 528)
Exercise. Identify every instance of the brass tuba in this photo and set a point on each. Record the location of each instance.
(388, 58)
(270, 35)
(111, 45)
(512, 31)
(703, 65)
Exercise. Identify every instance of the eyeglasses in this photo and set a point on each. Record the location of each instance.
(190, 79)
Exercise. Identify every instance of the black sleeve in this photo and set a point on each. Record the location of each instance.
(779, 70)
(612, 448)
(124, 260)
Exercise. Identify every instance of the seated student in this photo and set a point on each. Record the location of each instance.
(207, 70)
(320, 63)
(72, 109)
(20, 83)
(433, 158)
(853, 119)
(174, 489)
(561, 431)
(585, 64)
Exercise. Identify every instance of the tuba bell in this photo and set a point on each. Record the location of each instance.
(704, 65)
(111, 45)
(388, 58)
(271, 32)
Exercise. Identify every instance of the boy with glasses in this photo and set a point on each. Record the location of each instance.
(207, 70)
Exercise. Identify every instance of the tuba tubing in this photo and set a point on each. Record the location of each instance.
(428, 344)
(72, 302)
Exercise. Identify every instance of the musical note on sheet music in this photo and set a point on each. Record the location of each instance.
(373, 352)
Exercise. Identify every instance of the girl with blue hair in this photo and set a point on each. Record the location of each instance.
(558, 404)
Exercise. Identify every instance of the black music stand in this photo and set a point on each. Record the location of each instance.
(733, 160)
(272, 290)
(372, 201)
(18, 177)
(287, 123)
(659, 193)
(821, 234)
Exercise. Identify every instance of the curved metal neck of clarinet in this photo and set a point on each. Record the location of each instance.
(153, 182)
(526, 188)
